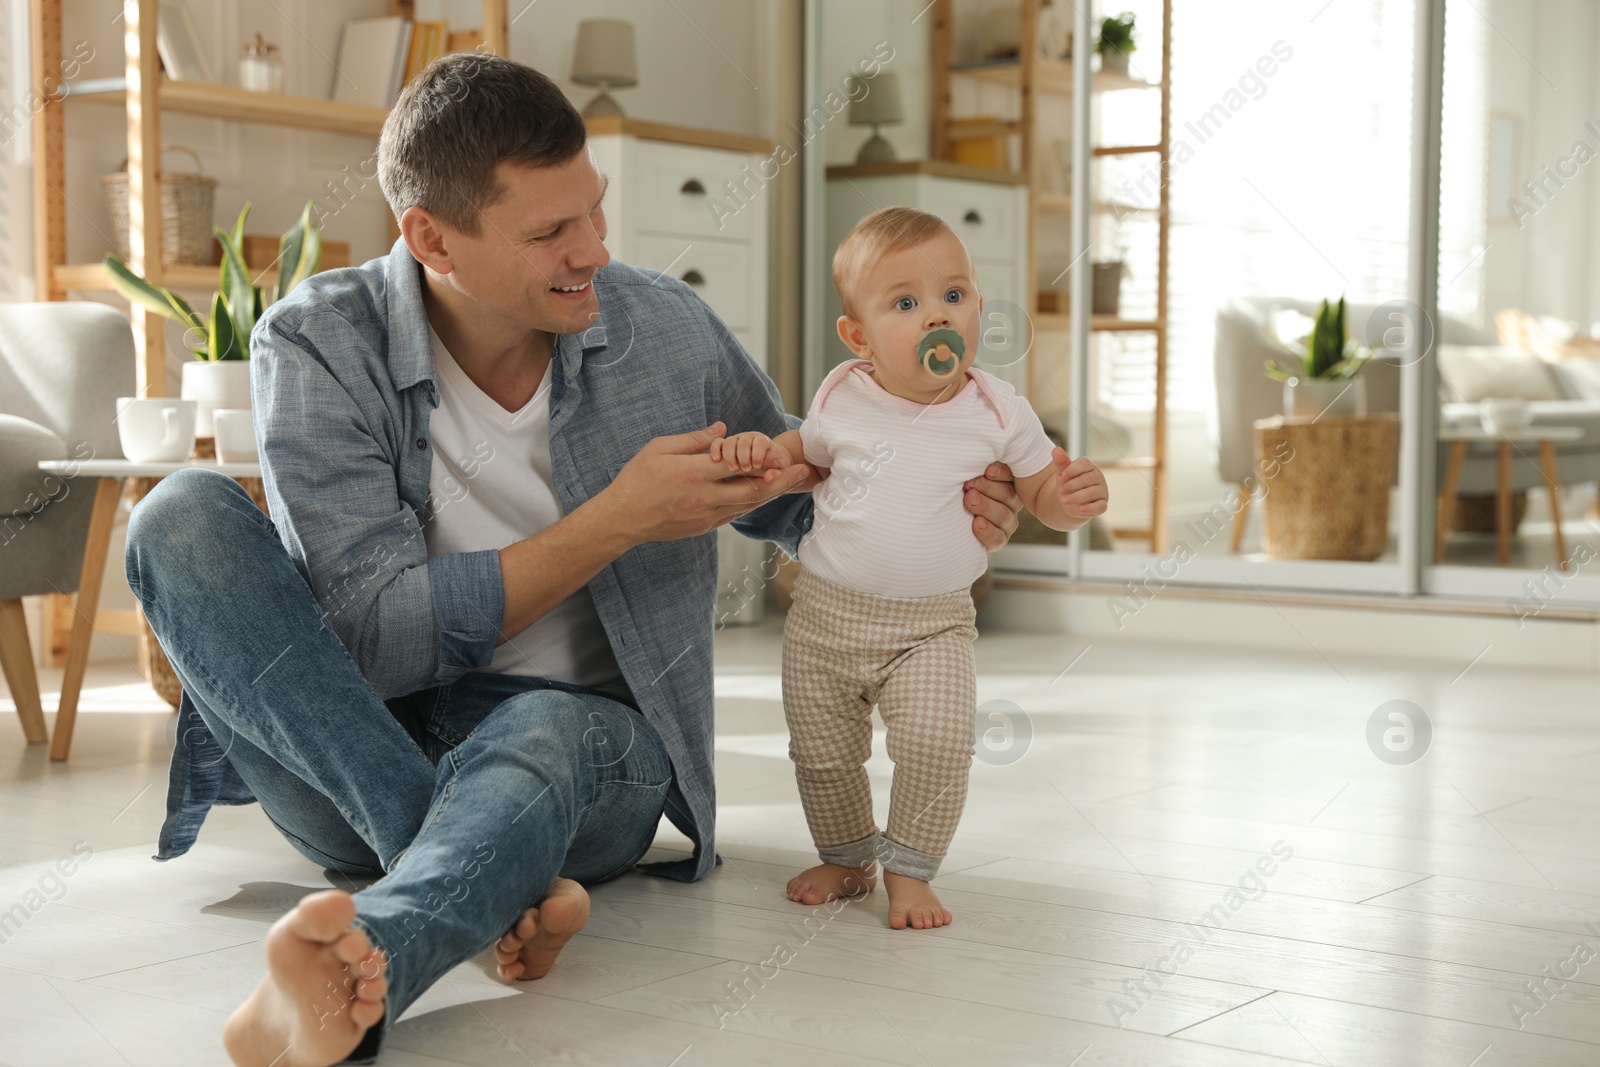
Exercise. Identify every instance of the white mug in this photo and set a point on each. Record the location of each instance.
(235, 435)
(156, 429)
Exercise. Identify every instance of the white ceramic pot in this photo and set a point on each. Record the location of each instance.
(1114, 62)
(1335, 398)
(213, 384)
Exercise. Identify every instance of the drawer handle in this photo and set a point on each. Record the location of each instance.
(694, 277)
(973, 216)
(692, 187)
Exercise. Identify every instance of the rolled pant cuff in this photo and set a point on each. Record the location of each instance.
(900, 859)
(855, 854)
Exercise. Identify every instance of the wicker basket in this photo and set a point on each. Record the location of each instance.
(1328, 498)
(187, 202)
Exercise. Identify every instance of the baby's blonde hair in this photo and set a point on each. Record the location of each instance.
(873, 237)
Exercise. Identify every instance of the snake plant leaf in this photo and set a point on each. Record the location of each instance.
(152, 297)
(241, 300)
(300, 254)
(224, 342)
(236, 236)
(1276, 371)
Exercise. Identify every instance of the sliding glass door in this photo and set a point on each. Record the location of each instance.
(1517, 441)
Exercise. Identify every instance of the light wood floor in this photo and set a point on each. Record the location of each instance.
(1416, 904)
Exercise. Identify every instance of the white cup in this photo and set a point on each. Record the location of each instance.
(235, 435)
(156, 429)
(1505, 414)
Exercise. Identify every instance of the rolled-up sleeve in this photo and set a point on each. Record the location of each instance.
(332, 487)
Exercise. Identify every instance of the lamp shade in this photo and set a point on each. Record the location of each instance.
(605, 54)
(881, 104)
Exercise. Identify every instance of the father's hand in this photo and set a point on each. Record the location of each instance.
(992, 499)
(673, 488)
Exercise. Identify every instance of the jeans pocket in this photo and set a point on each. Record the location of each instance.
(616, 831)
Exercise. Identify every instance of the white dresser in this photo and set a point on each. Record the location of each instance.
(669, 207)
(988, 209)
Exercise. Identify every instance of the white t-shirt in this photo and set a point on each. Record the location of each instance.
(890, 519)
(491, 486)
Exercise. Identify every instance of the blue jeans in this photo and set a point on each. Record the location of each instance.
(468, 799)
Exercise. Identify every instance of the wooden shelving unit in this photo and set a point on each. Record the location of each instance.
(1033, 74)
(149, 94)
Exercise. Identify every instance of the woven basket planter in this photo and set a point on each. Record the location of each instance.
(1327, 485)
(187, 202)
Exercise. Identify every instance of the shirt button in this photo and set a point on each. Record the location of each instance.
(422, 442)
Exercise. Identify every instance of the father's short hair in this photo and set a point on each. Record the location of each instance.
(457, 119)
(874, 236)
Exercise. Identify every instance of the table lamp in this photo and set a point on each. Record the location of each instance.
(605, 57)
(880, 107)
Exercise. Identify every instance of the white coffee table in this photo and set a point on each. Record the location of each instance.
(1462, 436)
(109, 475)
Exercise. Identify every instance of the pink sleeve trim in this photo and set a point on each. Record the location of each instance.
(996, 401)
(835, 376)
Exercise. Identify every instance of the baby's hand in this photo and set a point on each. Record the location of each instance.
(1082, 486)
(749, 453)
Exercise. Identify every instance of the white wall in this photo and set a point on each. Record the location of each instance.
(1542, 71)
(851, 30)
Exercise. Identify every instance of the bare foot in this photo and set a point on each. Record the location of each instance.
(323, 990)
(912, 903)
(830, 881)
(530, 948)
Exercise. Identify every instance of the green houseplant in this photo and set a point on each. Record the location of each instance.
(1325, 382)
(1116, 43)
(219, 377)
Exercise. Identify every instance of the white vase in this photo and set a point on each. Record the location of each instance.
(1330, 398)
(1114, 62)
(213, 384)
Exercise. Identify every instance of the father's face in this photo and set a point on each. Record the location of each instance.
(534, 258)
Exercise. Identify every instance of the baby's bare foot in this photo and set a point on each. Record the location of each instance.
(830, 881)
(323, 990)
(912, 903)
(530, 948)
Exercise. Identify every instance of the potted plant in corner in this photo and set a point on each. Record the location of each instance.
(1116, 44)
(1326, 382)
(220, 375)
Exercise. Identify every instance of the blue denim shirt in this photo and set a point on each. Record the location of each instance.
(343, 385)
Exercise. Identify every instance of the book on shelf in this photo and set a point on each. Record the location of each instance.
(372, 61)
(427, 45)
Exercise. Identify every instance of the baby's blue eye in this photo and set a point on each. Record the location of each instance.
(905, 303)
(953, 296)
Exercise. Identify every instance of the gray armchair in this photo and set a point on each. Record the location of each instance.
(62, 366)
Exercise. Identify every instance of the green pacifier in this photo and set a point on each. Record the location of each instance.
(940, 351)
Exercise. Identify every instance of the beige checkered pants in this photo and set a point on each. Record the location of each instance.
(843, 652)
